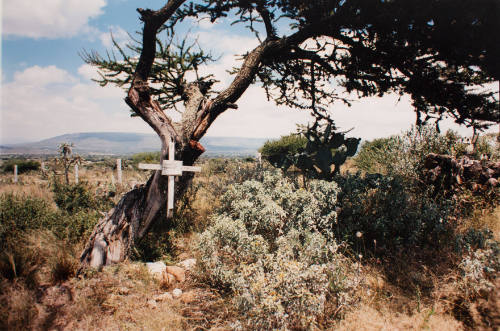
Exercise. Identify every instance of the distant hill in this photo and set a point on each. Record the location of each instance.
(122, 143)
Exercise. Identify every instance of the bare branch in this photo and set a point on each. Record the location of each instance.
(153, 20)
(139, 97)
(266, 17)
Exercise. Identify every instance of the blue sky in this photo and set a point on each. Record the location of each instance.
(47, 91)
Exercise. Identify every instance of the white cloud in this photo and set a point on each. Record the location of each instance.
(226, 43)
(257, 117)
(88, 72)
(42, 102)
(49, 18)
(38, 76)
(119, 35)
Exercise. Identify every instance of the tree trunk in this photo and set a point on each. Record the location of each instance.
(127, 223)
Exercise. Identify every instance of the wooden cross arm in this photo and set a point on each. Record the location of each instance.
(172, 168)
(191, 168)
(147, 166)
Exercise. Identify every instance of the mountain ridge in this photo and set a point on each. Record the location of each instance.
(124, 143)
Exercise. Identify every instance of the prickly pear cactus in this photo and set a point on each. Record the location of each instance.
(323, 153)
(326, 150)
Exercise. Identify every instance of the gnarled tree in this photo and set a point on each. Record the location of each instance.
(436, 51)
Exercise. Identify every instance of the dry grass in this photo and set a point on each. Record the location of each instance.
(117, 299)
(368, 318)
(486, 219)
(29, 185)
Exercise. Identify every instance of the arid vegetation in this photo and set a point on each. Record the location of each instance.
(376, 248)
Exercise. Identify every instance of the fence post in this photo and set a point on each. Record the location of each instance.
(259, 159)
(15, 173)
(119, 170)
(76, 173)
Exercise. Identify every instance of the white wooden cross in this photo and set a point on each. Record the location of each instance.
(170, 168)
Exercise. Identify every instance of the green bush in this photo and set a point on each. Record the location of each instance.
(404, 154)
(35, 239)
(388, 214)
(275, 151)
(79, 211)
(19, 215)
(375, 155)
(272, 246)
(76, 197)
(22, 165)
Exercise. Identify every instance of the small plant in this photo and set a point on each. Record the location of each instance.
(66, 159)
(478, 269)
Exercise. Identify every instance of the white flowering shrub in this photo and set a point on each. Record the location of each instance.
(272, 245)
(479, 268)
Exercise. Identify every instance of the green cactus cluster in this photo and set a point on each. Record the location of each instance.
(318, 151)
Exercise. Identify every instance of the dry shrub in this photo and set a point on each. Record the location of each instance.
(39, 258)
(17, 306)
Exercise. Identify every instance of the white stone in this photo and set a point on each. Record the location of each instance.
(177, 292)
(188, 264)
(156, 268)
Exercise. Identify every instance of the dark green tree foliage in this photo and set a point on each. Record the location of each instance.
(172, 62)
(280, 152)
